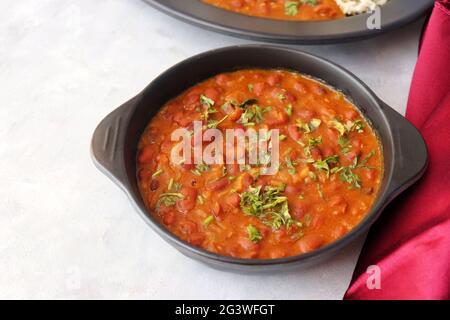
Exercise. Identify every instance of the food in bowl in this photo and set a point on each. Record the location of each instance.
(300, 10)
(329, 166)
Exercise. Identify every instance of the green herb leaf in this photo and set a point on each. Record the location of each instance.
(213, 124)
(324, 165)
(208, 220)
(206, 101)
(157, 173)
(289, 110)
(168, 199)
(291, 8)
(336, 124)
(253, 234)
(290, 165)
(269, 205)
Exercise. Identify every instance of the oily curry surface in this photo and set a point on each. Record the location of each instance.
(283, 9)
(329, 172)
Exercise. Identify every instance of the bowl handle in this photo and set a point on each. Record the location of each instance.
(108, 142)
(410, 152)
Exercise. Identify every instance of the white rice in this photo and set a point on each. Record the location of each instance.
(351, 7)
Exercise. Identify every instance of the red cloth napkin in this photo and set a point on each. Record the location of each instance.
(411, 242)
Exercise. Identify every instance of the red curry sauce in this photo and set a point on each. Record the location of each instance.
(283, 9)
(331, 165)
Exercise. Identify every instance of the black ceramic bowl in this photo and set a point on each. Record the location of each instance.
(114, 144)
(394, 14)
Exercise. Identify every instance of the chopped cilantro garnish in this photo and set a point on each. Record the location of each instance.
(200, 168)
(289, 110)
(253, 234)
(168, 199)
(269, 205)
(213, 124)
(208, 220)
(324, 165)
(157, 173)
(290, 165)
(206, 101)
(291, 8)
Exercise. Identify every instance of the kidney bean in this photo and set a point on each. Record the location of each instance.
(188, 166)
(212, 93)
(298, 210)
(247, 180)
(235, 115)
(370, 174)
(188, 202)
(196, 238)
(191, 101)
(277, 118)
(216, 209)
(310, 243)
(327, 151)
(250, 249)
(274, 79)
(188, 227)
(258, 88)
(169, 217)
(147, 154)
(339, 231)
(350, 114)
(181, 119)
(315, 153)
(305, 114)
(338, 204)
(154, 185)
(300, 87)
(236, 4)
(233, 169)
(290, 97)
(218, 184)
(233, 200)
(222, 79)
(319, 90)
(292, 189)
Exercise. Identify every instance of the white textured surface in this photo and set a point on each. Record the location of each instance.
(65, 230)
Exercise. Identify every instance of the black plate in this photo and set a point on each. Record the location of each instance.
(394, 14)
(115, 141)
